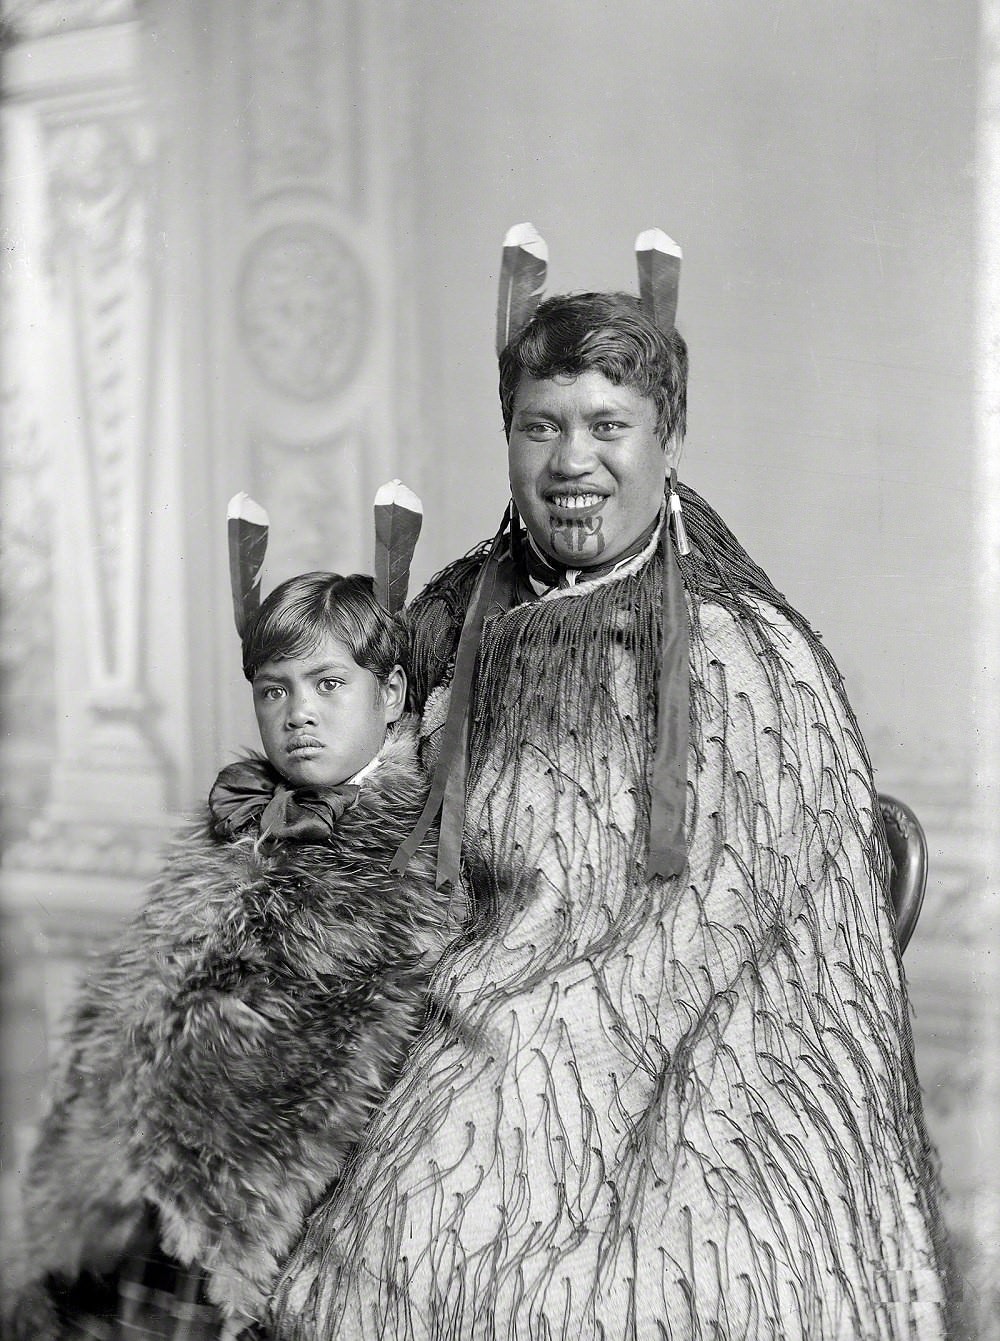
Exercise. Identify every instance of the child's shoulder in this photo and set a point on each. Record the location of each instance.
(203, 870)
(395, 787)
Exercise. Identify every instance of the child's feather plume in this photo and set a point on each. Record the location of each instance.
(658, 258)
(247, 526)
(398, 517)
(522, 278)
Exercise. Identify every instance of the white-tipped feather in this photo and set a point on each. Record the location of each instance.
(656, 238)
(396, 492)
(399, 515)
(522, 279)
(241, 505)
(526, 235)
(247, 526)
(658, 258)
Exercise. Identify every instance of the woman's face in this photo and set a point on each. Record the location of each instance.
(587, 468)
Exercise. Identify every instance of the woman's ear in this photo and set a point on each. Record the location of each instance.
(672, 451)
(394, 694)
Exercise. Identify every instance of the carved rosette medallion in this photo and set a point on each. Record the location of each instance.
(304, 307)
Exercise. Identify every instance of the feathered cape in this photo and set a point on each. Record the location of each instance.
(224, 1056)
(678, 1109)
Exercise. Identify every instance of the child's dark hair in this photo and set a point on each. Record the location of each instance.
(299, 613)
(607, 333)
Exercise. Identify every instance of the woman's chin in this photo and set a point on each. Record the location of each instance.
(575, 556)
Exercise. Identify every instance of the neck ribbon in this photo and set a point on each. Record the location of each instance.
(250, 793)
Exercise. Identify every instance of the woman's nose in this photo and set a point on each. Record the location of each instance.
(574, 454)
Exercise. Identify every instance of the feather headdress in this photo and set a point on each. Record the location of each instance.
(658, 259)
(398, 517)
(247, 526)
(399, 514)
(522, 278)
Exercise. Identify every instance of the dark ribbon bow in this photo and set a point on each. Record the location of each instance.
(252, 792)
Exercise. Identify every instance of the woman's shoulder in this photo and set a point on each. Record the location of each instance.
(769, 658)
(757, 630)
(452, 581)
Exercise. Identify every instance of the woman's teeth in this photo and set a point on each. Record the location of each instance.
(571, 502)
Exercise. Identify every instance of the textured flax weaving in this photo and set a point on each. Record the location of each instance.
(678, 1108)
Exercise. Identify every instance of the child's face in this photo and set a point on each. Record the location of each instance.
(322, 717)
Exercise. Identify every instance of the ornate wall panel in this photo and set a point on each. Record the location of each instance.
(82, 217)
(93, 716)
(304, 103)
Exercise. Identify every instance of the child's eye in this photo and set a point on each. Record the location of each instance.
(271, 691)
(328, 684)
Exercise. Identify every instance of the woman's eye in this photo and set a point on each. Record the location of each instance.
(606, 427)
(539, 432)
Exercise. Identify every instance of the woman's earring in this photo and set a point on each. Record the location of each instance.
(677, 517)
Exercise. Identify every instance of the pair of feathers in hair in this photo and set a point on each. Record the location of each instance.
(398, 518)
(524, 266)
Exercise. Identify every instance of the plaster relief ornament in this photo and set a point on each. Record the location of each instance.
(304, 307)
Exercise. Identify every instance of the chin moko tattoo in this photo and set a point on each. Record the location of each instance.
(575, 535)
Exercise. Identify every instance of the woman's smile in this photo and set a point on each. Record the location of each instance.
(587, 467)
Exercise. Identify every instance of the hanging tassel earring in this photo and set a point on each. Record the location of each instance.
(677, 517)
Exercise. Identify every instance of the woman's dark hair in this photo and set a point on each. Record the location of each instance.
(300, 613)
(601, 332)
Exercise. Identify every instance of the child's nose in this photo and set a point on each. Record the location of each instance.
(301, 709)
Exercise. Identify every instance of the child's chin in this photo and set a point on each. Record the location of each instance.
(309, 774)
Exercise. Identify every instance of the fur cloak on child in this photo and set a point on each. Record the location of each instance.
(225, 1054)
